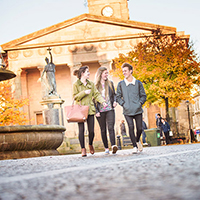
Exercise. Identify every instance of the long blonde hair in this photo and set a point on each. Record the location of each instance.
(98, 81)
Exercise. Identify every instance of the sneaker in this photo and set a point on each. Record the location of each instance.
(135, 150)
(106, 151)
(114, 149)
(140, 147)
(145, 144)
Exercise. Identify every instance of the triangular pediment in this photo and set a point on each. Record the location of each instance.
(85, 31)
(85, 28)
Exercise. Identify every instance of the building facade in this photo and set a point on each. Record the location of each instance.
(196, 113)
(92, 39)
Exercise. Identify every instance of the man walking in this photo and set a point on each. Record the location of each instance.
(131, 96)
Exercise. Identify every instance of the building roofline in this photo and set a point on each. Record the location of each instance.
(85, 17)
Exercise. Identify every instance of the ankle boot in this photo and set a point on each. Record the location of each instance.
(91, 149)
(83, 150)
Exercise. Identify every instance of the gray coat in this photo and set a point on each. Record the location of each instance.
(131, 97)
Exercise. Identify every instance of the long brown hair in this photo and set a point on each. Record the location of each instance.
(78, 72)
(98, 81)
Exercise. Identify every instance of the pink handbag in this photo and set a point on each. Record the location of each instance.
(76, 112)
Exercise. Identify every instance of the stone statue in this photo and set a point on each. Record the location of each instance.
(50, 82)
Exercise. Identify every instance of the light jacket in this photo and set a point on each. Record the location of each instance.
(86, 99)
(131, 97)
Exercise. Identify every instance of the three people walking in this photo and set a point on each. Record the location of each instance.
(102, 100)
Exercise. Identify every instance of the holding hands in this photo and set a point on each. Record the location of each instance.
(104, 105)
(114, 104)
(98, 114)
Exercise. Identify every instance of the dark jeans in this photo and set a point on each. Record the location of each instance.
(107, 119)
(167, 137)
(81, 127)
(138, 120)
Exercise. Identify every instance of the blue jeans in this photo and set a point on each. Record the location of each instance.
(143, 137)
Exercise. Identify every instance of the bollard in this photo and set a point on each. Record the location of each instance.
(119, 142)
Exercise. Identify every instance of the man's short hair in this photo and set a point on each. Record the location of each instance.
(127, 65)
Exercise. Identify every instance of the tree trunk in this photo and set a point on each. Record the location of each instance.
(174, 122)
(167, 109)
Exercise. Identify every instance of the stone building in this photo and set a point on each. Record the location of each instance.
(195, 109)
(196, 112)
(92, 39)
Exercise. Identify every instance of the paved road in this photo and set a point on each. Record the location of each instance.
(166, 172)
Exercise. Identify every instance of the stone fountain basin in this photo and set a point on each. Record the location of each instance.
(24, 141)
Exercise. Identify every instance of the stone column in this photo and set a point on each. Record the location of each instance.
(72, 68)
(17, 86)
(40, 68)
(25, 92)
(106, 63)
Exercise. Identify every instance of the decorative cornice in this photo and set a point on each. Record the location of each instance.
(77, 42)
(14, 44)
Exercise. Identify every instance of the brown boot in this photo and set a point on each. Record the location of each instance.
(91, 149)
(83, 150)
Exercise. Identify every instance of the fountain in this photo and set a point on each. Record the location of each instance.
(4, 73)
(24, 141)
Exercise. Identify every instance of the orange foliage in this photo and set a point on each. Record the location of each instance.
(167, 65)
(11, 113)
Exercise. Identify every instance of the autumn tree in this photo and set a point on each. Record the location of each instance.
(167, 65)
(11, 114)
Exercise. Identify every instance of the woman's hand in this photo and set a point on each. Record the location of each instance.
(114, 104)
(87, 91)
(105, 104)
(98, 114)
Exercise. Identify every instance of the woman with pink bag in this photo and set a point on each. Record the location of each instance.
(84, 91)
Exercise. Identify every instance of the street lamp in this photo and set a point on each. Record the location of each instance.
(190, 130)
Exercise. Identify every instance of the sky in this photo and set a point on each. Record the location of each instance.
(21, 17)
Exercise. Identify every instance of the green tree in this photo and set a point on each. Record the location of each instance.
(167, 65)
